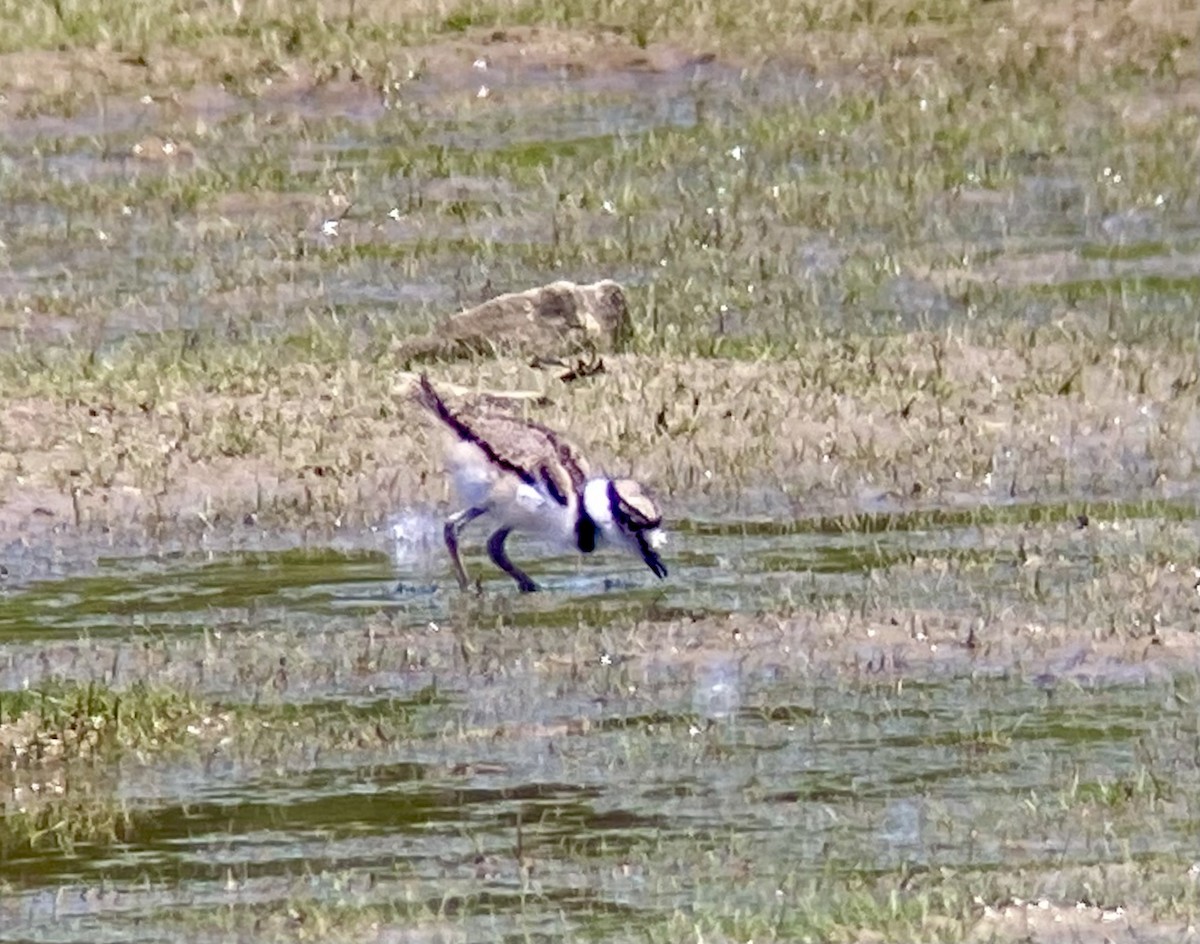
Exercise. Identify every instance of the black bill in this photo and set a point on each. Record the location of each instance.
(650, 556)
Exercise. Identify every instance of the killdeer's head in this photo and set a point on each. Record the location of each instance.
(627, 517)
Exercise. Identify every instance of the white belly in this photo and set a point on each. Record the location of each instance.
(510, 502)
(473, 485)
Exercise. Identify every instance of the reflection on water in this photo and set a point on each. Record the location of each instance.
(606, 778)
(902, 831)
(717, 566)
(566, 764)
(717, 689)
(858, 788)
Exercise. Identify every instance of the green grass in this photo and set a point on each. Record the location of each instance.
(53, 739)
(933, 414)
(59, 739)
(599, 842)
(72, 722)
(837, 266)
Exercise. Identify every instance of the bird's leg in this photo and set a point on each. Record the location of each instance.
(496, 552)
(454, 525)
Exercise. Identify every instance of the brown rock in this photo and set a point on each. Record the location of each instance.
(548, 323)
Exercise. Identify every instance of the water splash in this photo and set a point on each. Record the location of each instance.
(416, 537)
(717, 694)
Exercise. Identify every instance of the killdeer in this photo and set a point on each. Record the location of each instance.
(529, 479)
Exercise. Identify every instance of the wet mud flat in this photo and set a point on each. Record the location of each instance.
(913, 370)
(297, 747)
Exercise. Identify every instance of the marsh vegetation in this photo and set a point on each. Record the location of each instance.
(914, 372)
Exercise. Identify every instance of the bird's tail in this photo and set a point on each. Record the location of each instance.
(430, 399)
(425, 394)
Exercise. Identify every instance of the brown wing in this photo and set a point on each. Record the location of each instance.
(542, 457)
(525, 448)
(570, 459)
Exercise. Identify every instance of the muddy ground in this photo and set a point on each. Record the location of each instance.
(913, 374)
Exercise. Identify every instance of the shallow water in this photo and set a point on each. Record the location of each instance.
(631, 783)
(610, 752)
(717, 566)
(266, 175)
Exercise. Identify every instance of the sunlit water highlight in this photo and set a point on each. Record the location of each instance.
(615, 788)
